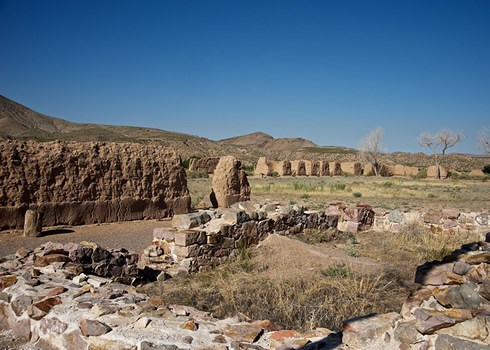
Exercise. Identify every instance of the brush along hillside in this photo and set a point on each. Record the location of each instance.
(20, 122)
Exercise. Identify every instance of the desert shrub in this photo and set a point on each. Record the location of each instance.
(486, 169)
(387, 184)
(337, 187)
(274, 174)
(335, 271)
(357, 194)
(421, 174)
(312, 235)
(305, 196)
(197, 174)
(249, 170)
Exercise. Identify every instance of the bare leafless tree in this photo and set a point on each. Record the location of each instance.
(370, 149)
(443, 140)
(485, 140)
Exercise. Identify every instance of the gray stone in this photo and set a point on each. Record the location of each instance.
(145, 345)
(447, 342)
(5, 297)
(429, 321)
(464, 296)
(395, 216)
(33, 223)
(163, 233)
(20, 304)
(405, 332)
(52, 325)
(191, 220)
(358, 331)
(474, 329)
(485, 288)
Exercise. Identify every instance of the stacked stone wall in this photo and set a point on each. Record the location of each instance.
(203, 240)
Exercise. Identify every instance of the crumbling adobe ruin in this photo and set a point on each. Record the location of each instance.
(79, 296)
(77, 183)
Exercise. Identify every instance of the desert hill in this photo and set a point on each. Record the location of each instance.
(266, 141)
(22, 123)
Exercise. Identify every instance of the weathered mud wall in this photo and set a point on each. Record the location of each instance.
(84, 183)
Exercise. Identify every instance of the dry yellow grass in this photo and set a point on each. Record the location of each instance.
(331, 277)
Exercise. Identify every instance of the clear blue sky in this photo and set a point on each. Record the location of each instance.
(329, 71)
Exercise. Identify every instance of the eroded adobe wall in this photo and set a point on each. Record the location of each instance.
(83, 183)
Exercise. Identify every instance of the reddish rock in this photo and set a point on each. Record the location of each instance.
(56, 291)
(93, 328)
(22, 252)
(477, 258)
(267, 325)
(74, 340)
(46, 260)
(243, 332)
(7, 281)
(40, 309)
(189, 325)
(22, 328)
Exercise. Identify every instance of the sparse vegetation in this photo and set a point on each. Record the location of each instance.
(198, 174)
(357, 194)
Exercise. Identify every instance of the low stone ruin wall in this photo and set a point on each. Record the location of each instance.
(437, 221)
(205, 239)
(76, 183)
(80, 296)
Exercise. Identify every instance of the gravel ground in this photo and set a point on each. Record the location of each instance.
(132, 235)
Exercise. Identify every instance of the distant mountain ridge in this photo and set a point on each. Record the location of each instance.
(266, 141)
(22, 123)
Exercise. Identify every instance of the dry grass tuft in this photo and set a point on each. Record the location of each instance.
(298, 301)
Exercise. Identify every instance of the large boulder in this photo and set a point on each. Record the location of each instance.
(230, 184)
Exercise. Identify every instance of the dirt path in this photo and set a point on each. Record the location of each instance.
(132, 235)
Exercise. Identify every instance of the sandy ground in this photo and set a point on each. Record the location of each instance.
(132, 235)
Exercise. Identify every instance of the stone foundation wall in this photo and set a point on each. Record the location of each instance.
(205, 239)
(437, 221)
